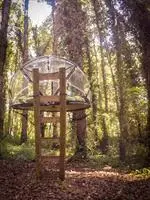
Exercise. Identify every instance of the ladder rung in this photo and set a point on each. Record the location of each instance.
(49, 156)
(47, 99)
(50, 139)
(50, 120)
(49, 76)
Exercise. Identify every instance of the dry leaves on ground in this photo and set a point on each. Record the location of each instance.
(17, 181)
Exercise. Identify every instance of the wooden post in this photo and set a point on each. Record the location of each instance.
(62, 123)
(37, 121)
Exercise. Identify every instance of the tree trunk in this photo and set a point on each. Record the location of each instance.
(8, 127)
(102, 145)
(80, 118)
(69, 28)
(93, 94)
(98, 16)
(23, 138)
(144, 24)
(120, 80)
(140, 16)
(146, 68)
(3, 49)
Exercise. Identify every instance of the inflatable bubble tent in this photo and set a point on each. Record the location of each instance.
(21, 85)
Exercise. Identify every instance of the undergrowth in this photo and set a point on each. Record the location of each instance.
(10, 149)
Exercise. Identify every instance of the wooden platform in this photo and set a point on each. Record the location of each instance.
(53, 107)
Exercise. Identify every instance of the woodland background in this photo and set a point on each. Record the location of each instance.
(110, 41)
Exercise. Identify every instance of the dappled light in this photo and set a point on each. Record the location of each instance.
(79, 184)
(74, 100)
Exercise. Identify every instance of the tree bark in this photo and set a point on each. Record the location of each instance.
(92, 89)
(23, 138)
(98, 16)
(69, 28)
(144, 24)
(115, 25)
(3, 49)
(80, 120)
(140, 20)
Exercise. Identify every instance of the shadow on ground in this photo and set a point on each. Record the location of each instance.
(17, 181)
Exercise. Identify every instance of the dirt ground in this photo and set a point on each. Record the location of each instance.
(18, 181)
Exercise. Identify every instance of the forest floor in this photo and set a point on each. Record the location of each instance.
(18, 181)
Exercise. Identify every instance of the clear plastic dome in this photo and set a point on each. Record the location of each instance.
(21, 86)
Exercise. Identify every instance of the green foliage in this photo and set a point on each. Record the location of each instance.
(41, 41)
(135, 158)
(142, 173)
(101, 160)
(12, 150)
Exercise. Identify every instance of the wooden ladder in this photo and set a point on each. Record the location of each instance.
(38, 119)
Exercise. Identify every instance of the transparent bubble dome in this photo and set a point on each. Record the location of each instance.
(21, 86)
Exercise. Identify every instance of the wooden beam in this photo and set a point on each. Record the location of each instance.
(50, 139)
(69, 108)
(62, 123)
(50, 119)
(49, 76)
(55, 108)
(47, 99)
(37, 121)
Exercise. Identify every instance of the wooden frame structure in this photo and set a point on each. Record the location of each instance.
(57, 102)
(38, 100)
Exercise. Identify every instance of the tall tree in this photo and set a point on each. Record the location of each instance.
(116, 27)
(91, 77)
(25, 59)
(69, 28)
(140, 22)
(3, 50)
(98, 10)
